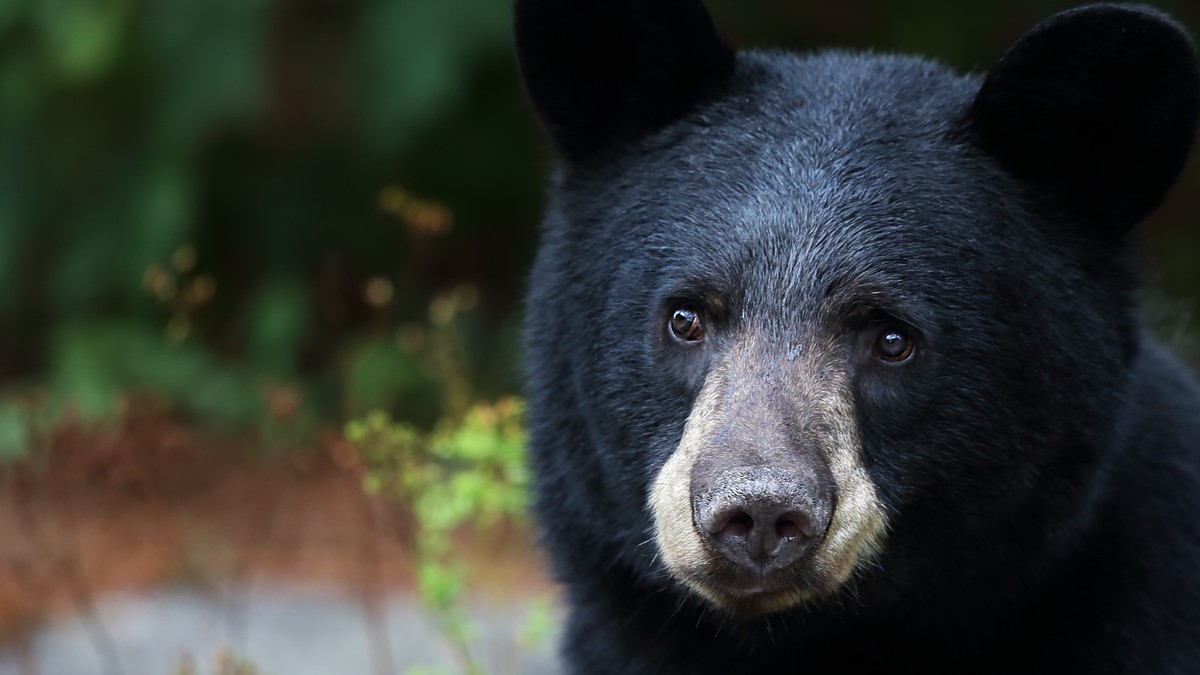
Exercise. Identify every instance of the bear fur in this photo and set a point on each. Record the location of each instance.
(894, 299)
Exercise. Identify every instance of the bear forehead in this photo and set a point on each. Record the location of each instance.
(798, 147)
(784, 113)
(838, 91)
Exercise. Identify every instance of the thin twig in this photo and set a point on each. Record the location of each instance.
(371, 587)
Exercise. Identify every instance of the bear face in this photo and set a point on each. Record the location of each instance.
(814, 331)
(799, 245)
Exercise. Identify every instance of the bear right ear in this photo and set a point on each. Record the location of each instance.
(605, 71)
(1097, 105)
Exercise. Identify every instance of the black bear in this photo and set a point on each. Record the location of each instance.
(835, 364)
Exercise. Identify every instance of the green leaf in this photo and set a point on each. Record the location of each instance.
(14, 433)
(278, 320)
(418, 56)
(83, 38)
(439, 585)
(382, 376)
(539, 625)
(93, 362)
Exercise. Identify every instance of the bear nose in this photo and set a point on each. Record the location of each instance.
(760, 519)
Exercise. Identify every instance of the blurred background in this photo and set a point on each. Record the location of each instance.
(231, 228)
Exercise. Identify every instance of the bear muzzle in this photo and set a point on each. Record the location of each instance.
(765, 503)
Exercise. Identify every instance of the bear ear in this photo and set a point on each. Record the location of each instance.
(1099, 106)
(604, 71)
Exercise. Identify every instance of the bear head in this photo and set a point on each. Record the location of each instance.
(811, 325)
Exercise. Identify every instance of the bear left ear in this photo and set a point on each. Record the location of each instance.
(1098, 105)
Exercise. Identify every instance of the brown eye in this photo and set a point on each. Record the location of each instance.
(894, 345)
(686, 325)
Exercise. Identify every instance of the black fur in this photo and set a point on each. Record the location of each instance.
(1038, 463)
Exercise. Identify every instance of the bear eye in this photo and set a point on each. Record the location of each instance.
(686, 325)
(894, 345)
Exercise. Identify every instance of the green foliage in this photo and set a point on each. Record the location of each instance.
(466, 472)
(96, 362)
(14, 432)
(380, 375)
(278, 319)
(258, 135)
(540, 625)
(428, 45)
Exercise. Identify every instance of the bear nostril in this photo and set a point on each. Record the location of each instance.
(790, 527)
(733, 523)
(739, 523)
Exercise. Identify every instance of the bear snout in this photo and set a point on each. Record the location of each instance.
(762, 519)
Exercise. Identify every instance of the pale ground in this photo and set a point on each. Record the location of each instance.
(282, 630)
